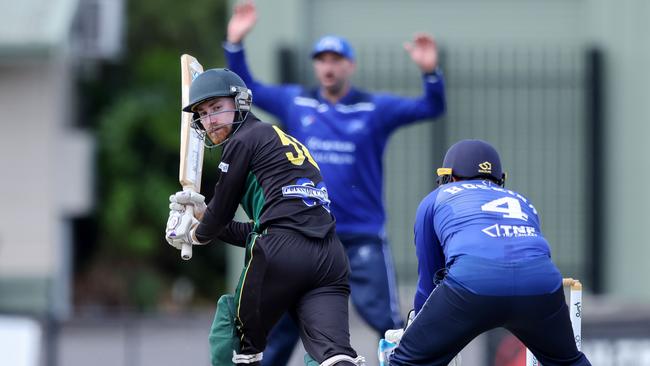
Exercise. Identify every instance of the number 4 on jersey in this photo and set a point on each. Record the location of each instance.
(509, 206)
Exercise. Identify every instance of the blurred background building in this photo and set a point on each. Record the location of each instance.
(48, 159)
(559, 87)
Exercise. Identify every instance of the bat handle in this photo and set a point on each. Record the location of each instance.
(186, 249)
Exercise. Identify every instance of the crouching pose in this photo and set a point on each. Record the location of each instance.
(294, 261)
(483, 263)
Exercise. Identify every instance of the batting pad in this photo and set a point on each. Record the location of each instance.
(223, 334)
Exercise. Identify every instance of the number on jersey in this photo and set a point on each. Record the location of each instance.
(508, 206)
(301, 151)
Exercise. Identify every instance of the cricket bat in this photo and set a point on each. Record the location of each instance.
(191, 157)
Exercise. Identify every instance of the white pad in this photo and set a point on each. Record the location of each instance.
(246, 359)
(359, 361)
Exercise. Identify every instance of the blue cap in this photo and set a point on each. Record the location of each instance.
(334, 44)
(471, 159)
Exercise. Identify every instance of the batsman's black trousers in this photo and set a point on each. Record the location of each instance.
(287, 271)
(452, 316)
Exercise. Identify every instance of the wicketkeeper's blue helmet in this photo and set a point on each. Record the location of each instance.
(471, 159)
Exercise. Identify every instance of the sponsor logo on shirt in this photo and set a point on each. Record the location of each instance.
(224, 167)
(314, 143)
(329, 157)
(332, 151)
(311, 194)
(509, 231)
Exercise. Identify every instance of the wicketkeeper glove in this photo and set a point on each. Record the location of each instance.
(391, 340)
(394, 336)
(185, 207)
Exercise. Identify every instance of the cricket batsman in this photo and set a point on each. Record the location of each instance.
(295, 263)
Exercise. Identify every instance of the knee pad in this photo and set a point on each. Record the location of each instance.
(336, 360)
(224, 343)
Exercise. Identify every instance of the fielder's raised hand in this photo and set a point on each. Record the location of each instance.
(241, 22)
(423, 51)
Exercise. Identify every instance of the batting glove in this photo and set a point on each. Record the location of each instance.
(185, 207)
(179, 201)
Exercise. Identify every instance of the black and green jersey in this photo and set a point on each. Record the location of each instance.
(275, 179)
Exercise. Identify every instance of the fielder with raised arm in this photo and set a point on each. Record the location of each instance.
(483, 263)
(294, 261)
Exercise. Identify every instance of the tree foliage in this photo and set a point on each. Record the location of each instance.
(135, 107)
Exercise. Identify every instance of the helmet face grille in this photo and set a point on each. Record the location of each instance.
(243, 98)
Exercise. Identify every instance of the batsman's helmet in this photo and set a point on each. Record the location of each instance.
(471, 159)
(219, 83)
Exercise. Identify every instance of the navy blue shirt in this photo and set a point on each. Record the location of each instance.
(347, 139)
(493, 228)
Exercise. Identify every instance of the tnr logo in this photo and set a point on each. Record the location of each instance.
(498, 231)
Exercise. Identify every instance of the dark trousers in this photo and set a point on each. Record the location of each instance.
(374, 295)
(453, 316)
(287, 272)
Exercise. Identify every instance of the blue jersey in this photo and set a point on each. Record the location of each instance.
(480, 220)
(347, 139)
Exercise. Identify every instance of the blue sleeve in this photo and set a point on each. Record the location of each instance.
(274, 99)
(395, 111)
(428, 250)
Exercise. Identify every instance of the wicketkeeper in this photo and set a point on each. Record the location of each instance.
(483, 263)
(294, 261)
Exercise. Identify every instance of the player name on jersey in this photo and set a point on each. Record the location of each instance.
(460, 188)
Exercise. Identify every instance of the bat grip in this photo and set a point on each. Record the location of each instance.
(186, 248)
(186, 251)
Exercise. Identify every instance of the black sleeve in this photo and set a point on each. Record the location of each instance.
(236, 233)
(228, 191)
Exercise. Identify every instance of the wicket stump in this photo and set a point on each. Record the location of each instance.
(575, 312)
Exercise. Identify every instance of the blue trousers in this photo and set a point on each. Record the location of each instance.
(452, 316)
(373, 293)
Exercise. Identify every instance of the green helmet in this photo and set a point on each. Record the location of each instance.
(219, 83)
